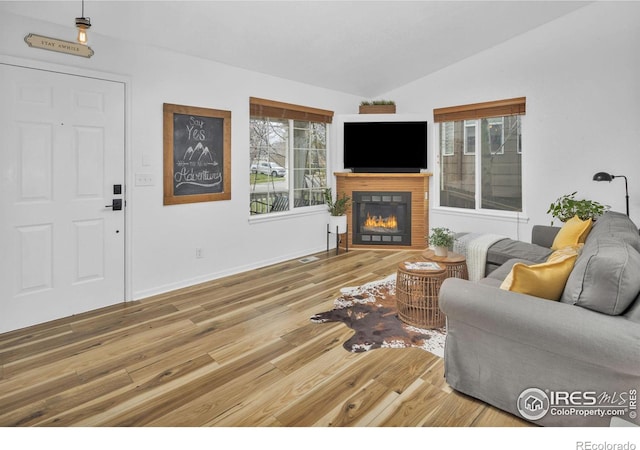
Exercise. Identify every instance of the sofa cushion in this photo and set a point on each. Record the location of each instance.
(490, 282)
(544, 235)
(618, 225)
(545, 280)
(573, 232)
(506, 249)
(633, 312)
(605, 277)
(504, 270)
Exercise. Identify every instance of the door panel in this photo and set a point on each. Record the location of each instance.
(89, 251)
(61, 152)
(35, 244)
(89, 157)
(36, 165)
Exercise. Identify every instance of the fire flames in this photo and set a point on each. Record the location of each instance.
(386, 223)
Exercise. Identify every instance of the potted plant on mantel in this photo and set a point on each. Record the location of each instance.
(566, 207)
(378, 107)
(441, 239)
(337, 211)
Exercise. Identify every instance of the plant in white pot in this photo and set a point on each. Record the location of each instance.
(337, 211)
(441, 239)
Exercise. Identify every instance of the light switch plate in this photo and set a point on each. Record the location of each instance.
(144, 179)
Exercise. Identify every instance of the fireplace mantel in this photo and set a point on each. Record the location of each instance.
(416, 183)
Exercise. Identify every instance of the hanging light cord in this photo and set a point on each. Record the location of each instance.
(82, 15)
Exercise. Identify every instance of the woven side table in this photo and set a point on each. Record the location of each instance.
(454, 263)
(417, 296)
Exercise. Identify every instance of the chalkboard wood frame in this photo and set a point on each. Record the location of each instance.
(197, 154)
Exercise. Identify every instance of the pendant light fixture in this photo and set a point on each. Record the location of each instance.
(83, 24)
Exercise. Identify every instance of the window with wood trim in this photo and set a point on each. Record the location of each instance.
(480, 155)
(288, 154)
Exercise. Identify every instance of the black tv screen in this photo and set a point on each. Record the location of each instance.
(385, 147)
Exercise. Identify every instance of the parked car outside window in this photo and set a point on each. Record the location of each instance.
(269, 168)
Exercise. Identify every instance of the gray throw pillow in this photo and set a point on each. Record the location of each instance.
(605, 278)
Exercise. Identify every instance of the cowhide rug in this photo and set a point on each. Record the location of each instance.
(370, 310)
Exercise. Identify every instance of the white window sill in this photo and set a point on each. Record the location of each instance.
(506, 216)
(284, 215)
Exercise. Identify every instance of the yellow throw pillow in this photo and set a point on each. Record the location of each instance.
(574, 231)
(545, 280)
(565, 251)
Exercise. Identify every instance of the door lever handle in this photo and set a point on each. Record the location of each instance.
(116, 204)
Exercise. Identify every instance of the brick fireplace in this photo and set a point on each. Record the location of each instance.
(397, 206)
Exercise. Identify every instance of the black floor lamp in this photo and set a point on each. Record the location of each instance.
(603, 176)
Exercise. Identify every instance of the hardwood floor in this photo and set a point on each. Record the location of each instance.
(238, 351)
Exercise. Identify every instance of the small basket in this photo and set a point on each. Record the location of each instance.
(417, 297)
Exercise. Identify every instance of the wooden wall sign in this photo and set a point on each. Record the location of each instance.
(58, 45)
(197, 154)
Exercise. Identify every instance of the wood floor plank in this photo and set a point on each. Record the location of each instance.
(140, 406)
(261, 408)
(413, 407)
(219, 398)
(308, 350)
(92, 407)
(239, 351)
(73, 350)
(341, 385)
(492, 417)
(21, 339)
(163, 357)
(43, 412)
(12, 400)
(356, 408)
(165, 403)
(409, 365)
(453, 410)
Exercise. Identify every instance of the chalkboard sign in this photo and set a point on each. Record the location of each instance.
(196, 154)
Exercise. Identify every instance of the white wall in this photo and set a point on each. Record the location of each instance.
(581, 76)
(164, 238)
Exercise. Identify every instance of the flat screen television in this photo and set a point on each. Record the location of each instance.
(385, 147)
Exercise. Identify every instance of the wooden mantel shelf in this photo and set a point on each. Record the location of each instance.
(416, 183)
(381, 175)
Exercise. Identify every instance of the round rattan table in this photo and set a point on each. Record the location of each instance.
(454, 263)
(417, 295)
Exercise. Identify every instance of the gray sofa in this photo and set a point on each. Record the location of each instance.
(573, 362)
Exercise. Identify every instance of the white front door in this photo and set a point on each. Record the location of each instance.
(61, 164)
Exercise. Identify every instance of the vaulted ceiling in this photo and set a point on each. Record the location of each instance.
(364, 48)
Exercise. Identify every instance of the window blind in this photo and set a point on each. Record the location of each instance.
(498, 108)
(260, 107)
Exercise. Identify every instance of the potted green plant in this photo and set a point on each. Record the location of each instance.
(378, 107)
(441, 239)
(337, 210)
(566, 206)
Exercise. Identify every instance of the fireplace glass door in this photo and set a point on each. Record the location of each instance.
(382, 218)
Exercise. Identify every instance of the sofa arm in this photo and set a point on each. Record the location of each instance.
(544, 235)
(567, 330)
